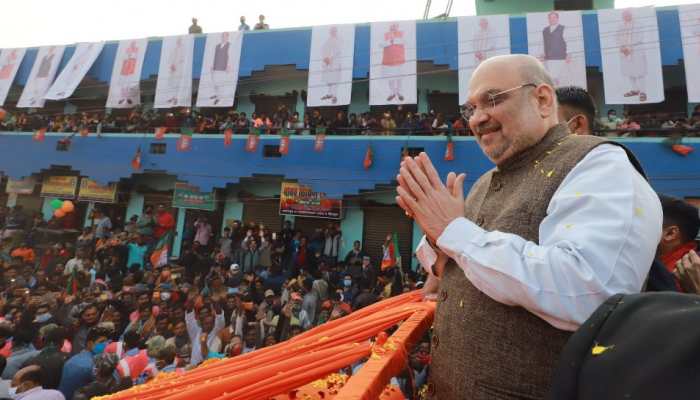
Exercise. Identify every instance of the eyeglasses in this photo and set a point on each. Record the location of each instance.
(489, 101)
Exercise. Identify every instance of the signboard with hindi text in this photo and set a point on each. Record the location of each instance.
(93, 191)
(22, 186)
(296, 199)
(188, 196)
(59, 186)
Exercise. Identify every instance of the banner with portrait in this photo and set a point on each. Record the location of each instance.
(689, 16)
(479, 38)
(10, 59)
(222, 56)
(556, 39)
(392, 73)
(41, 76)
(297, 199)
(330, 65)
(124, 86)
(629, 43)
(73, 73)
(174, 85)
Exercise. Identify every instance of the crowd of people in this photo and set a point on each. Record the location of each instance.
(397, 122)
(195, 28)
(96, 313)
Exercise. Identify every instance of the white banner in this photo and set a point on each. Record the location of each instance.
(84, 56)
(478, 39)
(10, 59)
(392, 74)
(556, 39)
(222, 56)
(330, 65)
(174, 86)
(41, 77)
(629, 42)
(689, 16)
(124, 88)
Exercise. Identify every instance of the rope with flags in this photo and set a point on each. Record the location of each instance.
(392, 256)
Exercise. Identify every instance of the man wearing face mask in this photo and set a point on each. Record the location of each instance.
(78, 370)
(576, 109)
(26, 385)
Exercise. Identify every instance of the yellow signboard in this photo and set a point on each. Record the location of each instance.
(59, 186)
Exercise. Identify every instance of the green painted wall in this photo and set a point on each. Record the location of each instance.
(135, 205)
(417, 235)
(180, 227)
(352, 227)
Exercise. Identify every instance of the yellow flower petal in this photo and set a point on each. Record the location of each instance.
(598, 349)
(550, 173)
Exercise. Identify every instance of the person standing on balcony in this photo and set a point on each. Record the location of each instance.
(261, 25)
(194, 28)
(538, 244)
(243, 26)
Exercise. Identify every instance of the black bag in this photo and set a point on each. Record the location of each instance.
(641, 346)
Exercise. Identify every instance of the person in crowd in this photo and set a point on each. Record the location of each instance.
(51, 358)
(576, 109)
(164, 222)
(194, 28)
(26, 385)
(356, 254)
(541, 277)
(102, 224)
(146, 223)
(78, 370)
(261, 25)
(105, 380)
(204, 231)
(243, 26)
(611, 122)
(677, 247)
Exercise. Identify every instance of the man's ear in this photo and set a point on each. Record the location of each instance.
(546, 100)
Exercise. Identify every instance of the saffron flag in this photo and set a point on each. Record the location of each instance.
(449, 149)
(184, 143)
(392, 257)
(228, 137)
(39, 135)
(160, 132)
(369, 158)
(72, 286)
(136, 161)
(320, 141)
(159, 257)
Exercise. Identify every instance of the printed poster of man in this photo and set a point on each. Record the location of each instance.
(556, 39)
(392, 76)
(629, 41)
(174, 85)
(41, 76)
(689, 16)
(124, 87)
(217, 84)
(73, 73)
(478, 39)
(330, 65)
(10, 60)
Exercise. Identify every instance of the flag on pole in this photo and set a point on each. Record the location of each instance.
(392, 257)
(369, 157)
(320, 141)
(159, 257)
(72, 286)
(184, 143)
(228, 137)
(136, 161)
(284, 142)
(450, 148)
(39, 135)
(253, 138)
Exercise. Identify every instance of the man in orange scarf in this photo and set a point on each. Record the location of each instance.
(680, 228)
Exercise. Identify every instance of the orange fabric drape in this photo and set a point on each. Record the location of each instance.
(288, 365)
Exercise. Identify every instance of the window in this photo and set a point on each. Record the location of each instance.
(158, 148)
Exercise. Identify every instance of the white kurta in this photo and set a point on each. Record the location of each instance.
(634, 64)
(331, 51)
(598, 239)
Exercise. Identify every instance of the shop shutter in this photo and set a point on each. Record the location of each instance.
(308, 226)
(379, 221)
(265, 211)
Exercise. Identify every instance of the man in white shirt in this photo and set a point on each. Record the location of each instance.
(210, 326)
(26, 385)
(562, 223)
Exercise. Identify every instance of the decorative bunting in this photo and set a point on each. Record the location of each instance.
(228, 137)
(184, 143)
(449, 148)
(39, 135)
(136, 161)
(253, 140)
(676, 145)
(284, 142)
(369, 157)
(320, 141)
(160, 133)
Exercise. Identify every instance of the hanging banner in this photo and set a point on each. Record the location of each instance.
(330, 65)
(93, 191)
(392, 74)
(556, 39)
(689, 16)
(74, 72)
(629, 42)
(296, 199)
(22, 186)
(59, 186)
(124, 88)
(10, 59)
(479, 38)
(188, 196)
(41, 76)
(174, 86)
(222, 56)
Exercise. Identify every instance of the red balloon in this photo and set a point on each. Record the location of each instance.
(3, 113)
(59, 213)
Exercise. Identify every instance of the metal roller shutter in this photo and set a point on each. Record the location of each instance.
(265, 211)
(380, 221)
(308, 226)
